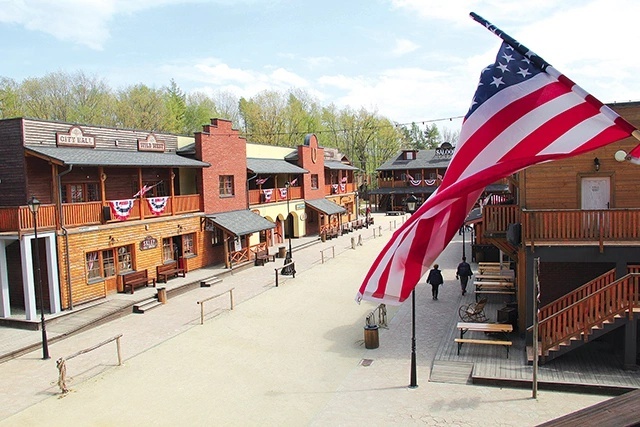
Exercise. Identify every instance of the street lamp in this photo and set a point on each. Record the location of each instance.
(288, 270)
(411, 201)
(34, 205)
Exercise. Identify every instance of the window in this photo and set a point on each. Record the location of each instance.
(314, 181)
(188, 248)
(124, 259)
(93, 266)
(167, 250)
(79, 193)
(226, 186)
(108, 263)
(216, 237)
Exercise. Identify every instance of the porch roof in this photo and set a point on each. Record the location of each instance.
(325, 206)
(271, 166)
(240, 223)
(334, 165)
(90, 157)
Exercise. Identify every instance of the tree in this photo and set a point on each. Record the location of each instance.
(176, 107)
(140, 107)
(9, 98)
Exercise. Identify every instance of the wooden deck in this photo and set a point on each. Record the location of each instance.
(590, 368)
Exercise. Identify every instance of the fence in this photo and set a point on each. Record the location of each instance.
(61, 363)
(201, 302)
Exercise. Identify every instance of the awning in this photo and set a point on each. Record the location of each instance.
(66, 156)
(333, 165)
(240, 223)
(272, 166)
(325, 206)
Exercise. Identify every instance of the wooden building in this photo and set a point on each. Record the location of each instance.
(580, 217)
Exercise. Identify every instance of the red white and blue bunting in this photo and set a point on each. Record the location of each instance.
(267, 194)
(157, 204)
(283, 193)
(121, 208)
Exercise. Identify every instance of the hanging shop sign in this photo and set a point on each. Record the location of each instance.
(148, 243)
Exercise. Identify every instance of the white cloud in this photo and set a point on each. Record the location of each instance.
(404, 46)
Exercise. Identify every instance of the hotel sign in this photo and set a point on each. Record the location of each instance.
(75, 138)
(151, 144)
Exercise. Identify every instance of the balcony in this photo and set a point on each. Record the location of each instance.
(90, 213)
(273, 195)
(389, 183)
(330, 189)
(565, 226)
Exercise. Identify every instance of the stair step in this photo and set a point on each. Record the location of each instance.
(207, 283)
(146, 305)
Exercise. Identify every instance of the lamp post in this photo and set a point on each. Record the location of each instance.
(34, 205)
(411, 201)
(288, 270)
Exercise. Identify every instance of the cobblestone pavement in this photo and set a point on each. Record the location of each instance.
(285, 356)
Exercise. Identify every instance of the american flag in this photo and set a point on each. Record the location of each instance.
(260, 181)
(524, 112)
(143, 191)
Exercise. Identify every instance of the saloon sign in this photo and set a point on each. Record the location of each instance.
(148, 243)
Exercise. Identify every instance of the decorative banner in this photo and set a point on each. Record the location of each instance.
(121, 208)
(344, 180)
(157, 204)
(335, 187)
(343, 188)
(415, 182)
(267, 194)
(283, 193)
(430, 182)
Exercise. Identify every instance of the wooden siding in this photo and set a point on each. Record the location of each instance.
(12, 165)
(81, 242)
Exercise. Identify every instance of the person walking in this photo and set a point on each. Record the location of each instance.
(463, 273)
(435, 279)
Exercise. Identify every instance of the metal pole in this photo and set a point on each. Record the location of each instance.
(463, 242)
(45, 344)
(536, 287)
(414, 374)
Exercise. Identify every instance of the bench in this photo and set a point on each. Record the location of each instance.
(263, 256)
(165, 271)
(136, 279)
(461, 341)
(399, 212)
(479, 292)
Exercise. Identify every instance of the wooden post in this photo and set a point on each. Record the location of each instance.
(119, 349)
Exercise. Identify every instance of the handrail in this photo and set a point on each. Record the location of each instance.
(333, 251)
(579, 318)
(578, 294)
(62, 366)
(202, 301)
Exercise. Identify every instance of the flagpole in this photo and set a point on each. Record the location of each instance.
(536, 296)
(414, 374)
(522, 49)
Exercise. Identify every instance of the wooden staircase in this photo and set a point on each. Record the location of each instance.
(586, 313)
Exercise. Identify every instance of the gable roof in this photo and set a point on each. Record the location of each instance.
(266, 166)
(240, 223)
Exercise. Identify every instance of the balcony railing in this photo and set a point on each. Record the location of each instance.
(389, 183)
(565, 225)
(272, 195)
(88, 213)
(348, 187)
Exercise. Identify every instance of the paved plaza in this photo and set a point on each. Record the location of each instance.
(291, 355)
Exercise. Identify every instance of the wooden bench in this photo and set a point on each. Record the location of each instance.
(398, 212)
(136, 279)
(461, 341)
(165, 271)
(263, 256)
(494, 292)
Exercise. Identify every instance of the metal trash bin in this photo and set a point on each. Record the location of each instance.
(282, 251)
(371, 338)
(162, 295)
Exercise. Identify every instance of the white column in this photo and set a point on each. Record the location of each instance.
(26, 255)
(52, 269)
(5, 303)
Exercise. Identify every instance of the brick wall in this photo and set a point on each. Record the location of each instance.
(311, 158)
(221, 146)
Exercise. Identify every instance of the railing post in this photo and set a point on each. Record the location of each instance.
(119, 350)
(276, 271)
(333, 251)
(231, 298)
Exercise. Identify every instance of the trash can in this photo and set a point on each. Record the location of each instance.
(162, 295)
(282, 251)
(371, 339)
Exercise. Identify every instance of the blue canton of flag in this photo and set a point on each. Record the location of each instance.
(509, 69)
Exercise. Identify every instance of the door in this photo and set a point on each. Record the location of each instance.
(596, 192)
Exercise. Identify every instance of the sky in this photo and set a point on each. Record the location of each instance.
(408, 60)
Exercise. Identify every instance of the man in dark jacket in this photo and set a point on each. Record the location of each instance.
(463, 273)
(435, 279)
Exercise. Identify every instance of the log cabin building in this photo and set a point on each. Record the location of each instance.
(580, 217)
(118, 201)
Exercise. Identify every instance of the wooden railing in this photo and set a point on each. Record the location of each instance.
(257, 197)
(616, 299)
(330, 189)
(88, 213)
(247, 254)
(578, 294)
(565, 225)
(382, 183)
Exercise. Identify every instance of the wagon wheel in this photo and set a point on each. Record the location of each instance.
(464, 313)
